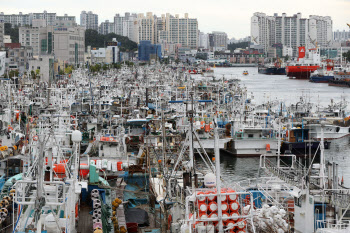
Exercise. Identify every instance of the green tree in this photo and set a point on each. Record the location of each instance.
(347, 56)
(94, 39)
(233, 46)
(13, 32)
(68, 69)
(32, 74)
(105, 67)
(37, 73)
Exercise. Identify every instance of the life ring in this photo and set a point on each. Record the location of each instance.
(35, 138)
(10, 128)
(111, 139)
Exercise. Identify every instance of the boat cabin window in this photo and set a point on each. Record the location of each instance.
(347, 214)
(250, 135)
(297, 201)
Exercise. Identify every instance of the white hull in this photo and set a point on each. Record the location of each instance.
(330, 131)
(253, 147)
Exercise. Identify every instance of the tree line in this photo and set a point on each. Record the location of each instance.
(94, 39)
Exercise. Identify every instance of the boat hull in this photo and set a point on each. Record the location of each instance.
(253, 147)
(272, 70)
(300, 72)
(321, 79)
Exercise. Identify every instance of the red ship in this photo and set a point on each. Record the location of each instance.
(304, 67)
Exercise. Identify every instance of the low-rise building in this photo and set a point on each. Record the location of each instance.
(109, 55)
(44, 64)
(17, 56)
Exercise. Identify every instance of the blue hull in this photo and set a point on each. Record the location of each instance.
(321, 79)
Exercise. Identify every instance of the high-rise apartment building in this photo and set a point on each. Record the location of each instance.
(320, 30)
(18, 20)
(203, 40)
(89, 20)
(341, 35)
(65, 40)
(66, 17)
(106, 28)
(290, 31)
(262, 30)
(126, 26)
(147, 27)
(182, 31)
(48, 17)
(218, 41)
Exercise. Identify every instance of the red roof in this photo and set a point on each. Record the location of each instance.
(13, 45)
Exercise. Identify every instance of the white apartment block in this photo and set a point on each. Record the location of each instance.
(262, 30)
(106, 28)
(320, 30)
(27, 19)
(341, 36)
(48, 17)
(203, 40)
(146, 27)
(89, 20)
(219, 41)
(64, 40)
(126, 25)
(16, 19)
(290, 31)
(66, 17)
(182, 31)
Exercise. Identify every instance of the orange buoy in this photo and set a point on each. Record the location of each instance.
(212, 206)
(201, 199)
(202, 207)
(268, 147)
(234, 216)
(234, 206)
(59, 168)
(231, 195)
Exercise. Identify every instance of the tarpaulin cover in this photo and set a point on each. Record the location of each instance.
(137, 215)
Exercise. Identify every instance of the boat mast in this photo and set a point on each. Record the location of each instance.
(218, 180)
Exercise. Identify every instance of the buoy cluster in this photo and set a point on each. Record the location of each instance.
(97, 211)
(4, 204)
(115, 204)
(230, 206)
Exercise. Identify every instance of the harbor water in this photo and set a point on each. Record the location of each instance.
(268, 88)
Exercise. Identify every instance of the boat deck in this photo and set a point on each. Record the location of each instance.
(85, 219)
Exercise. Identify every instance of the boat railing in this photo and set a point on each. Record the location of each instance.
(329, 225)
(54, 192)
(288, 174)
(340, 197)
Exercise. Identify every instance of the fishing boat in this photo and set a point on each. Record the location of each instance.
(303, 68)
(276, 68)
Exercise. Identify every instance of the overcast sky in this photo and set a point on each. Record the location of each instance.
(230, 16)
